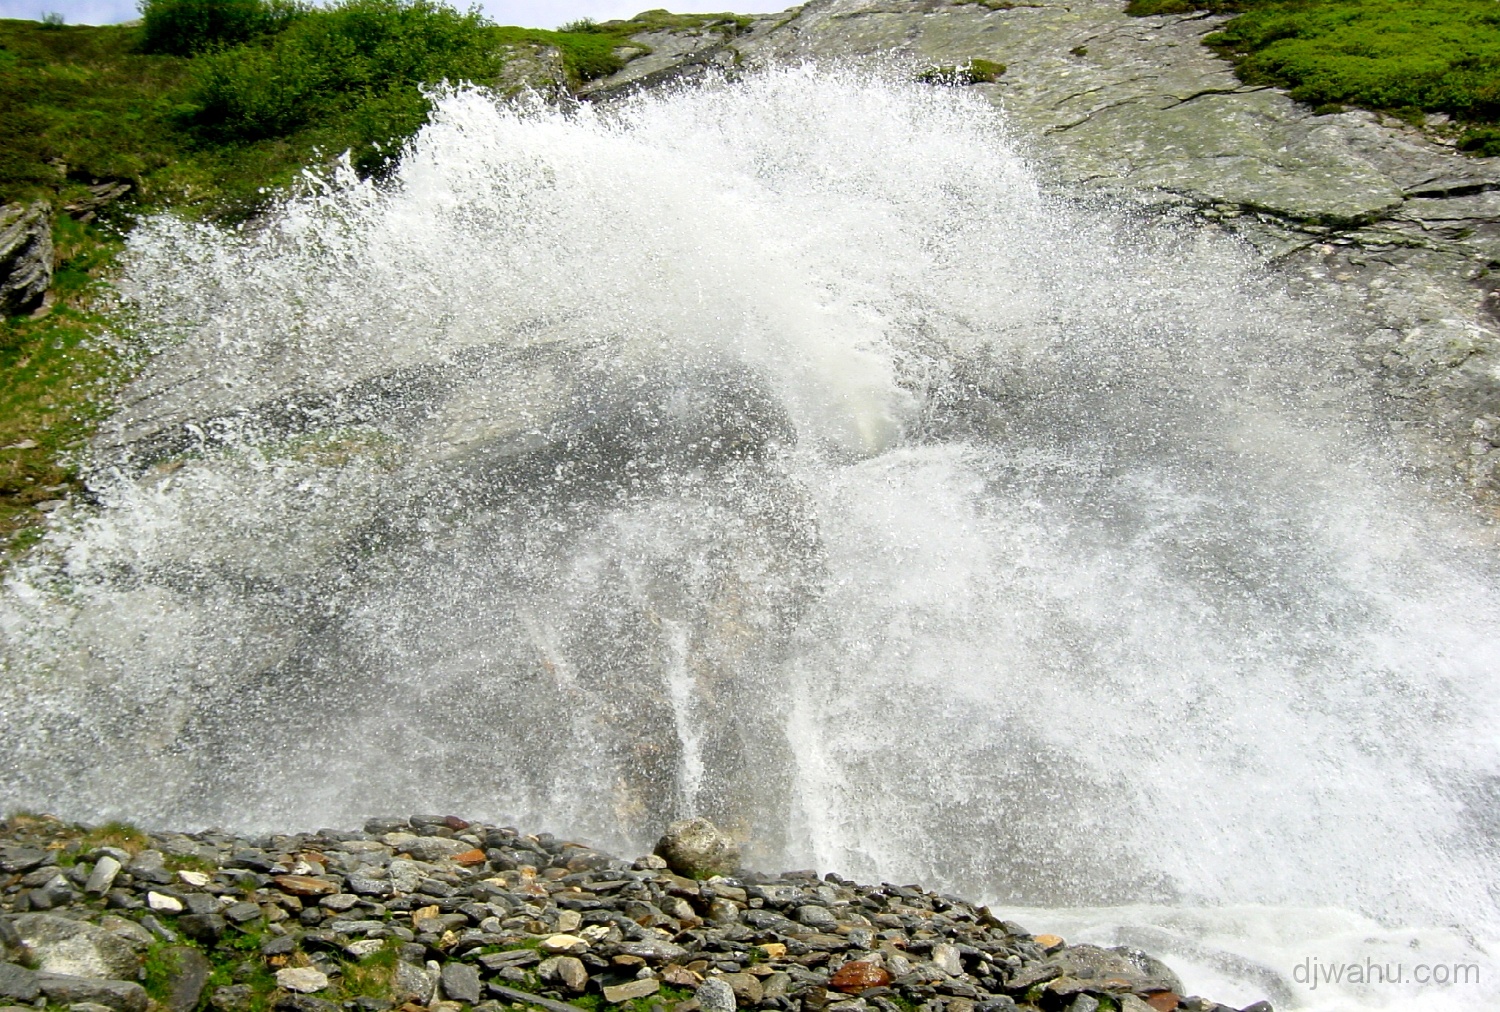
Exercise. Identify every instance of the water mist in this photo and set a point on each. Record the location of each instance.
(779, 452)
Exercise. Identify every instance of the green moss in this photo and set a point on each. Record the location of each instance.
(1407, 58)
(976, 71)
(116, 834)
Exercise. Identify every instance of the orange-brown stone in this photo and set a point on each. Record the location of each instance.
(852, 978)
(469, 858)
(305, 885)
(1163, 1001)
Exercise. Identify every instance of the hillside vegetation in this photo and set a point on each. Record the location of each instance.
(209, 108)
(1407, 57)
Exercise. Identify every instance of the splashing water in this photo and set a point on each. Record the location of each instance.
(784, 453)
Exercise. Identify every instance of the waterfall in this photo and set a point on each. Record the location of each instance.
(782, 452)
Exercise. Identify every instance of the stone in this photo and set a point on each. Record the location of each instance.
(102, 878)
(1161, 1001)
(946, 958)
(302, 979)
(713, 995)
(566, 971)
(460, 982)
(654, 950)
(470, 858)
(294, 1002)
(119, 995)
(205, 929)
(526, 998)
(1085, 1003)
(76, 948)
(305, 885)
(746, 987)
(232, 998)
(413, 983)
(163, 903)
(196, 879)
(680, 976)
(563, 945)
(188, 976)
(426, 848)
(1092, 968)
(242, 913)
(631, 990)
(25, 257)
(696, 848)
(856, 976)
(18, 983)
(150, 866)
(1048, 942)
(818, 917)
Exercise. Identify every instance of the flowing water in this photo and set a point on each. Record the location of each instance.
(782, 453)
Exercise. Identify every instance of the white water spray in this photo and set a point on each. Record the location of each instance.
(782, 452)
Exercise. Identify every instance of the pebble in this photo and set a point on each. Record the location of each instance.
(536, 914)
(302, 979)
(163, 904)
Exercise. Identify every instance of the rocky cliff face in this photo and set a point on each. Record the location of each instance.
(1395, 234)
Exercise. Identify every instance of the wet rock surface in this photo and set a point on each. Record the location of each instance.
(1384, 226)
(538, 922)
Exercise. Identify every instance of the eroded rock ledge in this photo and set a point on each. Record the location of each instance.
(442, 914)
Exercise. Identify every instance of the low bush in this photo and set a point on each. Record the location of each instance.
(186, 27)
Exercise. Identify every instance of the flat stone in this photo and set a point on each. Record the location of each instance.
(18, 983)
(305, 885)
(302, 979)
(163, 904)
(817, 917)
(558, 945)
(654, 950)
(631, 990)
(460, 982)
(76, 948)
(119, 995)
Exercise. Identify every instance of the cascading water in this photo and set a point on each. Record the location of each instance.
(779, 451)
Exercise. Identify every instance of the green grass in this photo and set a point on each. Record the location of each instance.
(1409, 58)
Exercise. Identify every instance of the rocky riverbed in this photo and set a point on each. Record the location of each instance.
(441, 914)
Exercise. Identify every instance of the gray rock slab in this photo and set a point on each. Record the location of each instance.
(119, 995)
(76, 948)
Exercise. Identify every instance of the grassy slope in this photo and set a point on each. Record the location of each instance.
(1405, 57)
(79, 105)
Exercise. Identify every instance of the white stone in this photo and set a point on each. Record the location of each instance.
(563, 945)
(163, 904)
(303, 979)
(194, 878)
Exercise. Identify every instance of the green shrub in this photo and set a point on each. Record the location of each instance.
(185, 27)
(359, 63)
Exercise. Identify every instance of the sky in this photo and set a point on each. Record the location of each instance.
(527, 13)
